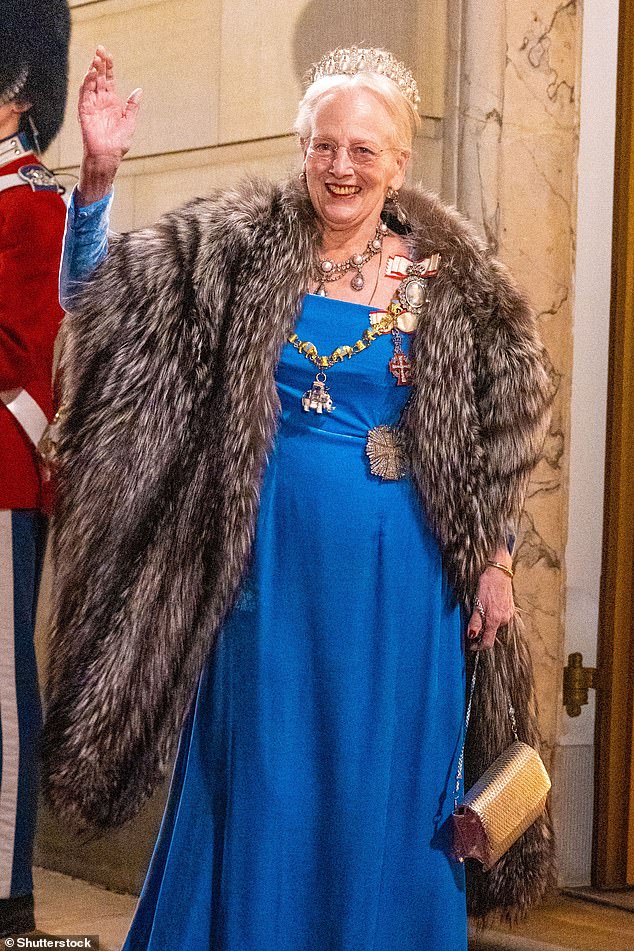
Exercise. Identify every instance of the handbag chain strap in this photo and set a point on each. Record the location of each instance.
(459, 771)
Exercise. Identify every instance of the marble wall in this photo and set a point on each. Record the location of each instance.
(511, 164)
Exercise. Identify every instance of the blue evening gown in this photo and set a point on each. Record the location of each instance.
(314, 779)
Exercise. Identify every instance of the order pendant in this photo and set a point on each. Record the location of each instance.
(317, 397)
(401, 367)
(412, 293)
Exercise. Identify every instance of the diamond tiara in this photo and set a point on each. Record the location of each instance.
(349, 62)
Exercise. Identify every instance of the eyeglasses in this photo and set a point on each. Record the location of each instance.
(324, 152)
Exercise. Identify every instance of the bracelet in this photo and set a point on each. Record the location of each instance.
(507, 571)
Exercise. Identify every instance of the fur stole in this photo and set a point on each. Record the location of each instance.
(169, 375)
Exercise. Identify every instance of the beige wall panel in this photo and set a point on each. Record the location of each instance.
(260, 86)
(168, 47)
(124, 205)
(52, 156)
(267, 48)
(429, 61)
(426, 164)
(158, 191)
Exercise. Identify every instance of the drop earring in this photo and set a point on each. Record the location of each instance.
(391, 197)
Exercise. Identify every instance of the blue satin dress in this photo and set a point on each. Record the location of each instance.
(314, 779)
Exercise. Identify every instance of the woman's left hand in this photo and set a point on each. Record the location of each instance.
(495, 593)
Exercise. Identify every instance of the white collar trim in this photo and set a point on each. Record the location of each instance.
(12, 149)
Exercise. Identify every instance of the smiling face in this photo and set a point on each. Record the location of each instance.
(348, 197)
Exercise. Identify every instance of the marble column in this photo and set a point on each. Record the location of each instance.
(480, 117)
(514, 150)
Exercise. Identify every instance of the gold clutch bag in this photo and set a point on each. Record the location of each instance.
(503, 803)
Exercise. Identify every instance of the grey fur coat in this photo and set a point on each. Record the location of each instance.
(171, 410)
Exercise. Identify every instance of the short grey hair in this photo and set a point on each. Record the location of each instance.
(402, 112)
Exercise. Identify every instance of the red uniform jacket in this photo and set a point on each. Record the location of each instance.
(31, 235)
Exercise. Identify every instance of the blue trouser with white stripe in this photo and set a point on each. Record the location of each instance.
(22, 542)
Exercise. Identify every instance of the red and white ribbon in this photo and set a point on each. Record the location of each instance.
(398, 266)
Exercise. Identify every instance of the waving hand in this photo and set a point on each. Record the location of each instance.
(107, 126)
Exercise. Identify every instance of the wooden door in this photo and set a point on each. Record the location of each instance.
(613, 865)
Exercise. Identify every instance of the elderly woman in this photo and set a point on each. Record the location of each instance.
(300, 420)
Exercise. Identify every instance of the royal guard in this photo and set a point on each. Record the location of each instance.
(33, 80)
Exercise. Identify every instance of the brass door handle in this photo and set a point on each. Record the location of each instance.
(577, 681)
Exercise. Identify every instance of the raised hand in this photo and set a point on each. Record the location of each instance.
(107, 126)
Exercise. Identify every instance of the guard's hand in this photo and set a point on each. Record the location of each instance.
(495, 592)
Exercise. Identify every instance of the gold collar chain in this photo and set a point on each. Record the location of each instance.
(384, 325)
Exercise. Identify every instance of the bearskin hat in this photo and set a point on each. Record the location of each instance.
(34, 37)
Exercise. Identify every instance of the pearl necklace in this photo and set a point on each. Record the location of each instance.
(330, 271)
